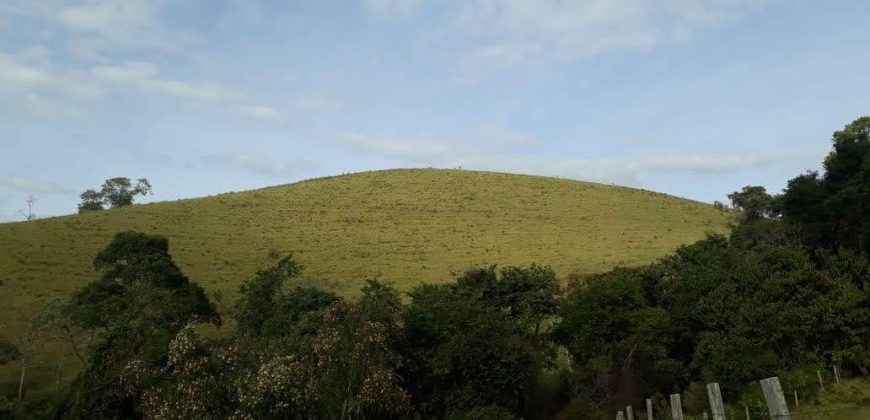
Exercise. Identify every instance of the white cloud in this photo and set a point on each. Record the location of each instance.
(32, 70)
(392, 8)
(32, 185)
(498, 149)
(318, 102)
(437, 151)
(144, 76)
(413, 149)
(262, 112)
(629, 170)
(261, 164)
(104, 23)
(507, 33)
(48, 108)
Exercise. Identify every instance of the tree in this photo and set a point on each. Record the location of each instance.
(466, 349)
(29, 214)
(137, 306)
(754, 203)
(832, 208)
(120, 192)
(91, 201)
(115, 192)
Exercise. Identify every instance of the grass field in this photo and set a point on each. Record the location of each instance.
(401, 226)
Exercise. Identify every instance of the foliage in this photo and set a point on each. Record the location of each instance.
(92, 200)
(139, 303)
(753, 202)
(115, 192)
(493, 315)
(8, 352)
(832, 208)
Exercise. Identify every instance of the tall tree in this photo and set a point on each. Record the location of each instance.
(753, 202)
(833, 208)
(120, 192)
(115, 192)
(137, 306)
(92, 200)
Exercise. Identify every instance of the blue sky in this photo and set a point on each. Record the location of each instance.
(690, 97)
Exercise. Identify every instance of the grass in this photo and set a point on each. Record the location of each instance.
(401, 226)
(849, 400)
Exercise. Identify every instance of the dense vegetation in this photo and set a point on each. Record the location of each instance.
(787, 291)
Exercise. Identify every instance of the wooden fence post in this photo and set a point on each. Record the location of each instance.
(837, 374)
(715, 397)
(619, 416)
(676, 407)
(746, 408)
(649, 412)
(775, 399)
(821, 383)
(629, 412)
(796, 402)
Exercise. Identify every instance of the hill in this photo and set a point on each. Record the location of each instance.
(402, 226)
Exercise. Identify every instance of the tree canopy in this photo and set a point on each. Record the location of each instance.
(115, 192)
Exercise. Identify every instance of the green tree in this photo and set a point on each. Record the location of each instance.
(115, 192)
(91, 201)
(265, 308)
(136, 307)
(832, 208)
(120, 192)
(465, 350)
(753, 202)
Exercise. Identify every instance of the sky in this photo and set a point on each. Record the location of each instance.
(695, 98)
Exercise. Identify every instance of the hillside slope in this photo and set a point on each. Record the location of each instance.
(403, 226)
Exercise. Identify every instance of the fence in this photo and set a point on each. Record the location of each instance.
(779, 403)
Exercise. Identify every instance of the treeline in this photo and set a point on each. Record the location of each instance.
(786, 292)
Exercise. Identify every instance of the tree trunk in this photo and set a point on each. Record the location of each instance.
(21, 380)
(75, 347)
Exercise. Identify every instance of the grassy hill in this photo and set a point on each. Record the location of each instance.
(402, 226)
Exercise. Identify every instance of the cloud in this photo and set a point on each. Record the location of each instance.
(498, 149)
(318, 102)
(265, 113)
(32, 185)
(104, 23)
(629, 170)
(508, 33)
(261, 164)
(144, 76)
(420, 150)
(48, 108)
(392, 8)
(32, 70)
(436, 151)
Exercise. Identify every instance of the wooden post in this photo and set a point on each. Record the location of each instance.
(775, 399)
(821, 383)
(837, 374)
(705, 416)
(649, 412)
(796, 403)
(746, 408)
(619, 416)
(629, 412)
(676, 407)
(715, 397)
